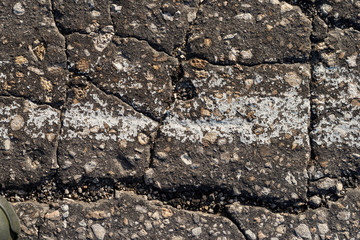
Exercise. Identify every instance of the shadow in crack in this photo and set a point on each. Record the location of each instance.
(185, 90)
(126, 163)
(41, 190)
(214, 200)
(203, 198)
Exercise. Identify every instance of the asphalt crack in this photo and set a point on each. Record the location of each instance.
(62, 112)
(233, 64)
(348, 181)
(155, 46)
(237, 224)
(74, 73)
(56, 106)
(313, 116)
(62, 109)
(312, 8)
(181, 52)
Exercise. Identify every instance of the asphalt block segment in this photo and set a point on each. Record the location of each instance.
(336, 105)
(337, 220)
(128, 216)
(250, 32)
(243, 125)
(33, 58)
(81, 16)
(164, 24)
(126, 67)
(29, 134)
(103, 137)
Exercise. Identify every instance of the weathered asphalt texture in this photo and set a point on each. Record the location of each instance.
(180, 119)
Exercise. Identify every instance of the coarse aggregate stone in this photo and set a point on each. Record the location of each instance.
(326, 186)
(320, 29)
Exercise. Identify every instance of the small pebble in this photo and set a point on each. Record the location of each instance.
(315, 201)
(18, 9)
(98, 231)
(303, 231)
(250, 234)
(196, 231)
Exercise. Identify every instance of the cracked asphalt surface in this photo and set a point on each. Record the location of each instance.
(178, 119)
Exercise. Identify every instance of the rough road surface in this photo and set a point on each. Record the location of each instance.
(180, 119)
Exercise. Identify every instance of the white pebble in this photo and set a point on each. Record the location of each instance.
(196, 231)
(18, 9)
